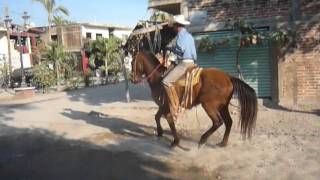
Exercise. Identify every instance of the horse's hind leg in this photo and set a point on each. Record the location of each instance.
(157, 118)
(228, 123)
(217, 121)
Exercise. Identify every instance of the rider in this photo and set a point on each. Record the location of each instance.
(186, 54)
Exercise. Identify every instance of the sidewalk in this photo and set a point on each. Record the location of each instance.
(6, 94)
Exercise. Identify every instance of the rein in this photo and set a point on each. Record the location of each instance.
(153, 71)
(149, 75)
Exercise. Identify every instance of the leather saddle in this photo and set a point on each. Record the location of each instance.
(192, 75)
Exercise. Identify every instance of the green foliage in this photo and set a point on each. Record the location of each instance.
(64, 63)
(43, 75)
(69, 66)
(248, 35)
(207, 45)
(59, 21)
(52, 8)
(282, 38)
(105, 51)
(4, 70)
(86, 78)
(160, 16)
(74, 81)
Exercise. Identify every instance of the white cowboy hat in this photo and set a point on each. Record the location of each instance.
(180, 19)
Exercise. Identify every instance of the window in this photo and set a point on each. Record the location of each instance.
(98, 35)
(54, 37)
(88, 35)
(111, 32)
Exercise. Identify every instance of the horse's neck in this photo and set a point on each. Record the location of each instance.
(155, 78)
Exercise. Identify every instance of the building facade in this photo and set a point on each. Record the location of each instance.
(290, 75)
(28, 46)
(74, 36)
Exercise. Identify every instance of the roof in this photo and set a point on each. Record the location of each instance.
(94, 25)
(146, 33)
(106, 26)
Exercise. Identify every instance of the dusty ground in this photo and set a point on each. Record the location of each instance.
(93, 134)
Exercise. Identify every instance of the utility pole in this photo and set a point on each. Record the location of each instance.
(23, 77)
(122, 56)
(20, 29)
(8, 21)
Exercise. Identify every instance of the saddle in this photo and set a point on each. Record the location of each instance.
(188, 81)
(191, 77)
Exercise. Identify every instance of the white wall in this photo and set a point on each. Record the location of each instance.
(94, 31)
(121, 33)
(15, 55)
(3, 43)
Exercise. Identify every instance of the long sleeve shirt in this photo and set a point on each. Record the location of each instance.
(185, 46)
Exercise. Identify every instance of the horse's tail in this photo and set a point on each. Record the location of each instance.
(248, 104)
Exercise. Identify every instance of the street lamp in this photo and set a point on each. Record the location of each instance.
(25, 17)
(20, 29)
(23, 77)
(8, 21)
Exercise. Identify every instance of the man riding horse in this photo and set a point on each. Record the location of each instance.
(211, 88)
(185, 51)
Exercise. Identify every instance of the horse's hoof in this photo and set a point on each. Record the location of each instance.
(160, 134)
(200, 145)
(222, 144)
(174, 144)
(201, 142)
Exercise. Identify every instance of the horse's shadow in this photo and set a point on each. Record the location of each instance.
(127, 128)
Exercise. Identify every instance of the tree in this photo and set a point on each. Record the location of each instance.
(105, 51)
(59, 21)
(60, 59)
(52, 9)
(43, 76)
(159, 16)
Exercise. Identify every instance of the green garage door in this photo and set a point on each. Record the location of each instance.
(254, 60)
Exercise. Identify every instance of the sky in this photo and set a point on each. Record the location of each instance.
(118, 12)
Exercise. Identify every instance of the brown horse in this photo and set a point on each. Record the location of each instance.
(213, 92)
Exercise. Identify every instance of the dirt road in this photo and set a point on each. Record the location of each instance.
(93, 134)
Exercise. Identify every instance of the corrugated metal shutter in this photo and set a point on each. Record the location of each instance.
(254, 60)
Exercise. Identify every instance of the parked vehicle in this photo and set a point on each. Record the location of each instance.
(16, 77)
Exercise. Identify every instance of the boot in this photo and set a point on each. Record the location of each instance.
(173, 100)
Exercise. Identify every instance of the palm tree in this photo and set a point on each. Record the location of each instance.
(52, 9)
(105, 51)
(59, 21)
(58, 57)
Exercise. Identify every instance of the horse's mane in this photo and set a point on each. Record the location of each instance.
(151, 57)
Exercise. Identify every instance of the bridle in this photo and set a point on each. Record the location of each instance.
(149, 75)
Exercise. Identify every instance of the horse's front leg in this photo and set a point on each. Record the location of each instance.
(157, 118)
(172, 126)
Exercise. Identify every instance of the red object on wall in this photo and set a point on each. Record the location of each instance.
(85, 62)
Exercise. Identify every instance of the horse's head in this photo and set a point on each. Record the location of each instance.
(137, 68)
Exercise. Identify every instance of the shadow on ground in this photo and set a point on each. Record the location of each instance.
(271, 105)
(40, 154)
(7, 110)
(110, 93)
(125, 127)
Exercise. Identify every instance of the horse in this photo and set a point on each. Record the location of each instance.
(214, 92)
